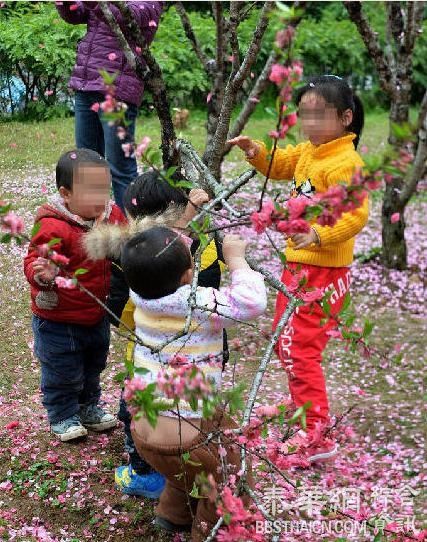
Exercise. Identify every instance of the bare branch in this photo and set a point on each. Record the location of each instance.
(189, 32)
(395, 21)
(152, 77)
(370, 39)
(420, 157)
(251, 103)
(413, 27)
(254, 47)
(213, 153)
(124, 45)
(234, 42)
(220, 36)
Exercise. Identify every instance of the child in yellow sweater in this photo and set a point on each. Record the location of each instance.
(332, 120)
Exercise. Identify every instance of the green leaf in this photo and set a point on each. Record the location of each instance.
(195, 492)
(326, 307)
(267, 141)
(80, 271)
(107, 77)
(193, 403)
(35, 229)
(4, 209)
(270, 111)
(186, 457)
(54, 241)
(300, 413)
(401, 131)
(141, 371)
(184, 184)
(346, 302)
(120, 377)
(367, 329)
(170, 171)
(291, 137)
(282, 258)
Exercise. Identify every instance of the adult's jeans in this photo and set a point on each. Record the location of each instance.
(93, 132)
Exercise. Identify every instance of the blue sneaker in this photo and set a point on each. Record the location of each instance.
(142, 485)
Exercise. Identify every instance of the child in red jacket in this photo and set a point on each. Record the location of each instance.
(71, 331)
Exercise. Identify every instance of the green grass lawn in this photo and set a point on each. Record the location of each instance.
(39, 144)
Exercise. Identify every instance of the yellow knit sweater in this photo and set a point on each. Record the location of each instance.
(314, 169)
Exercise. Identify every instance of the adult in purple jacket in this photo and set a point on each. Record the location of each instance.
(99, 49)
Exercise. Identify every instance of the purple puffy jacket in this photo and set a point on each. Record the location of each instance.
(94, 50)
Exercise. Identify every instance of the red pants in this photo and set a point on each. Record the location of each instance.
(303, 339)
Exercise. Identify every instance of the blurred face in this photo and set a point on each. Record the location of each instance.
(320, 120)
(90, 193)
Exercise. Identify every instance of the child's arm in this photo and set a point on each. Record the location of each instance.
(284, 162)
(246, 297)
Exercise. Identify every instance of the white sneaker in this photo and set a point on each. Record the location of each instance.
(69, 429)
(94, 417)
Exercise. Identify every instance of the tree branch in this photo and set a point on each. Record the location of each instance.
(414, 23)
(420, 157)
(260, 85)
(370, 39)
(152, 77)
(213, 153)
(191, 36)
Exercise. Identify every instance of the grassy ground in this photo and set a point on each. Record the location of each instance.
(66, 492)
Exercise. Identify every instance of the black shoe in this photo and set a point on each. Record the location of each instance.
(167, 525)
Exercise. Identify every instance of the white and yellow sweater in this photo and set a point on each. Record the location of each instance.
(157, 319)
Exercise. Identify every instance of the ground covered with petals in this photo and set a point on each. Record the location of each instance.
(54, 492)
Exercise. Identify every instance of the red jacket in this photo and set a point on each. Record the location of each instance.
(69, 305)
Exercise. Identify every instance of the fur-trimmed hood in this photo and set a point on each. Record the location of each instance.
(107, 240)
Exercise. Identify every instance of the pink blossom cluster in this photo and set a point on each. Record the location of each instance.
(67, 284)
(130, 150)
(12, 223)
(185, 381)
(240, 522)
(297, 214)
(132, 386)
(110, 104)
(285, 77)
(284, 37)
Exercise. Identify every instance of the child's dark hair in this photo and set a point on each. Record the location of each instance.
(70, 161)
(149, 194)
(153, 262)
(336, 91)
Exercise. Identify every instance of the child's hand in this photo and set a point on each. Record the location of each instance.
(303, 240)
(197, 197)
(233, 249)
(250, 148)
(45, 270)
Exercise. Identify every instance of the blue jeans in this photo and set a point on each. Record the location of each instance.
(72, 357)
(138, 464)
(92, 132)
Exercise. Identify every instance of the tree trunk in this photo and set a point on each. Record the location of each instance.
(394, 252)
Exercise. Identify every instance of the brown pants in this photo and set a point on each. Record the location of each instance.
(175, 503)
